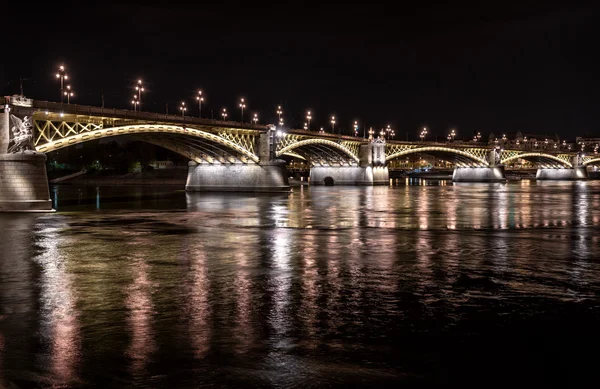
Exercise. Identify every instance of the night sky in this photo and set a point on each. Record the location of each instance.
(493, 68)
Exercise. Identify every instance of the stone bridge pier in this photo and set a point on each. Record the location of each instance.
(23, 179)
(371, 170)
(577, 172)
(494, 172)
(268, 175)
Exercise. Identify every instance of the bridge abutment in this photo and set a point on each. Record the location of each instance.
(237, 177)
(24, 183)
(23, 179)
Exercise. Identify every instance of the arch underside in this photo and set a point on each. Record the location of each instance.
(194, 144)
(539, 159)
(457, 157)
(320, 152)
(593, 161)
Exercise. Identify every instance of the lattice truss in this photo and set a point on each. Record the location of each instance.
(45, 131)
(472, 156)
(593, 159)
(218, 146)
(538, 158)
(319, 151)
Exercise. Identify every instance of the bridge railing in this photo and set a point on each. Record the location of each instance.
(126, 114)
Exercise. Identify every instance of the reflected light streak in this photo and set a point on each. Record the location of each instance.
(198, 302)
(281, 280)
(243, 285)
(59, 319)
(139, 303)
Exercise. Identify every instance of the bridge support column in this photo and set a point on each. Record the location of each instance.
(237, 177)
(575, 173)
(23, 179)
(371, 171)
(492, 173)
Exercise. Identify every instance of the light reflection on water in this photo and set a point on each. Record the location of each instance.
(322, 287)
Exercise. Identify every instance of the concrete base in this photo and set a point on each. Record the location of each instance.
(577, 173)
(238, 177)
(349, 175)
(24, 183)
(479, 174)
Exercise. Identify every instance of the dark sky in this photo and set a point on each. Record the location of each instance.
(483, 68)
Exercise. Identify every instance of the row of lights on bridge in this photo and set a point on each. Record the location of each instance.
(137, 102)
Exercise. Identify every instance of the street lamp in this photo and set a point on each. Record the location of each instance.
(453, 134)
(69, 93)
(242, 106)
(308, 117)
(371, 133)
(305, 126)
(255, 118)
(333, 124)
(355, 128)
(279, 112)
(280, 122)
(139, 88)
(388, 131)
(321, 130)
(183, 108)
(224, 114)
(62, 75)
(423, 134)
(200, 100)
(135, 102)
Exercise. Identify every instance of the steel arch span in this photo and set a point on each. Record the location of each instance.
(145, 129)
(592, 161)
(462, 156)
(543, 158)
(319, 150)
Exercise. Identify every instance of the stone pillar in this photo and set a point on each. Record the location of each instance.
(492, 173)
(23, 179)
(270, 176)
(577, 172)
(24, 183)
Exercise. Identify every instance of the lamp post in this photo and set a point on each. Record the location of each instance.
(200, 99)
(183, 108)
(423, 134)
(224, 113)
(371, 133)
(255, 118)
(305, 126)
(333, 124)
(135, 102)
(308, 117)
(355, 128)
(69, 93)
(281, 123)
(62, 75)
(279, 112)
(321, 130)
(242, 106)
(139, 88)
(388, 131)
(453, 134)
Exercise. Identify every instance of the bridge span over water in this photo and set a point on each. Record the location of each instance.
(234, 156)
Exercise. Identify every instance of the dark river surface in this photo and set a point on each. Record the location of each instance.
(485, 285)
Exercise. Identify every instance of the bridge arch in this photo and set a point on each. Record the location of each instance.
(592, 161)
(146, 129)
(463, 155)
(337, 148)
(538, 158)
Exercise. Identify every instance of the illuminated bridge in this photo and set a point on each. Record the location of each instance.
(234, 156)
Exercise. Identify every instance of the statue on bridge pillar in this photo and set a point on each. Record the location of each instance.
(22, 135)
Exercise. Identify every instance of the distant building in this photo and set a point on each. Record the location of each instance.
(519, 140)
(588, 144)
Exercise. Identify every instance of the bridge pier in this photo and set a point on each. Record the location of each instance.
(492, 173)
(23, 179)
(237, 177)
(575, 173)
(372, 169)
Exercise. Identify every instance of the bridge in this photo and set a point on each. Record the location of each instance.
(234, 156)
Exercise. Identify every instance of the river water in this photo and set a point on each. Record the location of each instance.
(419, 283)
